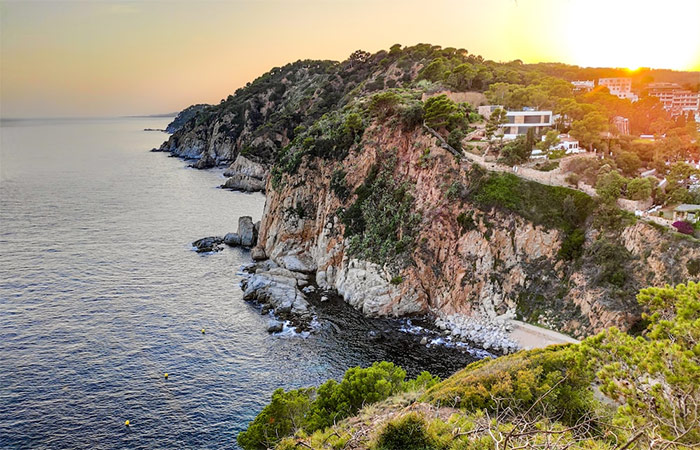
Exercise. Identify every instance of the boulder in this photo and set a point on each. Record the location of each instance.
(258, 254)
(232, 239)
(205, 162)
(275, 326)
(244, 183)
(246, 230)
(208, 244)
(244, 166)
(298, 263)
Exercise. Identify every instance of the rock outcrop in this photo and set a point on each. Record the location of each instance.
(208, 244)
(494, 266)
(245, 175)
(279, 291)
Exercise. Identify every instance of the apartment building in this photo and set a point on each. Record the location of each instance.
(620, 87)
(675, 99)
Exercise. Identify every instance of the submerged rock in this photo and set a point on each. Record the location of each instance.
(208, 244)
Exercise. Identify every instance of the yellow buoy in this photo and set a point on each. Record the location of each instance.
(166, 375)
(202, 330)
(127, 423)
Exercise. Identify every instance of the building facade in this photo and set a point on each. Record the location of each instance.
(675, 99)
(519, 122)
(620, 87)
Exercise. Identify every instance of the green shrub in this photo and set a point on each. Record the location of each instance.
(466, 221)
(408, 432)
(338, 185)
(549, 206)
(610, 258)
(381, 223)
(693, 267)
(312, 409)
(572, 246)
(518, 380)
(283, 416)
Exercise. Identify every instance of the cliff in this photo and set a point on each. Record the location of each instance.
(365, 199)
(483, 245)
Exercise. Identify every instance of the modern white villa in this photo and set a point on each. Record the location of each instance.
(519, 122)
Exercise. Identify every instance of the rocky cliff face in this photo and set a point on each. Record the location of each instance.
(465, 259)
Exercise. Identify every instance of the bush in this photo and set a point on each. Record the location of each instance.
(408, 432)
(454, 140)
(466, 221)
(610, 258)
(338, 185)
(683, 227)
(381, 224)
(282, 417)
(519, 380)
(693, 267)
(572, 247)
(312, 409)
(549, 206)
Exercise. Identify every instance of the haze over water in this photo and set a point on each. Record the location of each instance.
(101, 293)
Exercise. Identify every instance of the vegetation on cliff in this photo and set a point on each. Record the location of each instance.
(612, 391)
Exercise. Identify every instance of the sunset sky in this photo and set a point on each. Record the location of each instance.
(105, 58)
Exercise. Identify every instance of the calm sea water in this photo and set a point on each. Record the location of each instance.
(101, 293)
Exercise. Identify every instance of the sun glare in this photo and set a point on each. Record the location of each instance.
(634, 35)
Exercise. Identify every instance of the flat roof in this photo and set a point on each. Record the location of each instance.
(687, 207)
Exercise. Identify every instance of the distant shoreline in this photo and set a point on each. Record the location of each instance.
(75, 119)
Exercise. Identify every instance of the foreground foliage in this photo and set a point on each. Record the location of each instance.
(538, 399)
(312, 409)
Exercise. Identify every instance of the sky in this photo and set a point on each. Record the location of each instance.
(107, 58)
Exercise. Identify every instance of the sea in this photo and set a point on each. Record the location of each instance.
(101, 294)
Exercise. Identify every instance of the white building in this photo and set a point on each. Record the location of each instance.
(583, 85)
(620, 87)
(675, 99)
(519, 122)
(567, 143)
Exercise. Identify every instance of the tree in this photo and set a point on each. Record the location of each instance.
(609, 186)
(497, 118)
(461, 77)
(639, 188)
(679, 180)
(588, 130)
(551, 139)
(441, 112)
(516, 151)
(655, 376)
(628, 162)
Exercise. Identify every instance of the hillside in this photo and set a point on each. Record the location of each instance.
(611, 391)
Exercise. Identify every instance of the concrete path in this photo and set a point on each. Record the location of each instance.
(531, 336)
